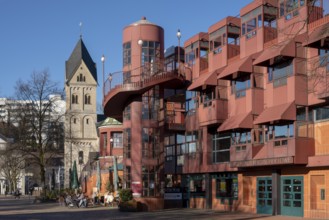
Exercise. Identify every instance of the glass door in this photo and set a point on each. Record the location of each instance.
(264, 195)
(292, 196)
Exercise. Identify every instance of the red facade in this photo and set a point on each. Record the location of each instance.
(244, 116)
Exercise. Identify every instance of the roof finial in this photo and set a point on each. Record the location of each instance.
(80, 24)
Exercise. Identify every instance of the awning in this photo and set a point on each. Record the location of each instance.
(205, 79)
(319, 37)
(285, 111)
(242, 65)
(238, 121)
(285, 49)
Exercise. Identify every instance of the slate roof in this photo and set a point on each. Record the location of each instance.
(80, 53)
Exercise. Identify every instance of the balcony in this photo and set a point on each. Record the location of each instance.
(115, 99)
(175, 119)
(213, 112)
(274, 152)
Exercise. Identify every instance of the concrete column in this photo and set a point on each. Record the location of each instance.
(208, 191)
(276, 195)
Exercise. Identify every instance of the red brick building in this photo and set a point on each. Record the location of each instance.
(241, 123)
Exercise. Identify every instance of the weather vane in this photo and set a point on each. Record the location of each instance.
(80, 24)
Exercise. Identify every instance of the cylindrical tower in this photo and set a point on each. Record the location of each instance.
(143, 46)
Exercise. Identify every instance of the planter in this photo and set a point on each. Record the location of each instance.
(131, 206)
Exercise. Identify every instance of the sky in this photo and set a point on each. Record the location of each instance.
(38, 35)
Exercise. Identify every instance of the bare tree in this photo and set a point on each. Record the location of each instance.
(12, 163)
(38, 118)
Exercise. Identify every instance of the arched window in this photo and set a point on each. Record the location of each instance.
(78, 78)
(87, 99)
(74, 99)
(81, 78)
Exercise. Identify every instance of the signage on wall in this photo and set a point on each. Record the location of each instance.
(263, 162)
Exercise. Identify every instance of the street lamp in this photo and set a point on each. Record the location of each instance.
(103, 61)
(178, 34)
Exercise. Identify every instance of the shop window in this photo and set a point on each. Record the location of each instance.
(197, 185)
(227, 186)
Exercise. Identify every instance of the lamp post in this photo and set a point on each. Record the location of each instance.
(178, 34)
(103, 61)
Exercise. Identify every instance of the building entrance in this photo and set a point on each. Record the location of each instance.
(264, 195)
(292, 196)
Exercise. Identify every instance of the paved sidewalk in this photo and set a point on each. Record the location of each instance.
(24, 208)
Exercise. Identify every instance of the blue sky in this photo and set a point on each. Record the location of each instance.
(39, 35)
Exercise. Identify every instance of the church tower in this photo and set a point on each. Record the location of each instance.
(81, 139)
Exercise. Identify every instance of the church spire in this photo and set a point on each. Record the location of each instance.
(79, 54)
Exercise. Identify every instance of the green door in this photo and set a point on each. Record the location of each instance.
(292, 196)
(264, 195)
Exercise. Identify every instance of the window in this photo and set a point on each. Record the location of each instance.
(221, 148)
(324, 60)
(169, 142)
(117, 139)
(151, 57)
(207, 97)
(81, 78)
(126, 53)
(321, 113)
(80, 157)
(240, 85)
(191, 141)
(149, 181)
(250, 22)
(227, 185)
(104, 143)
(87, 99)
(127, 142)
(127, 178)
(279, 73)
(75, 99)
(87, 121)
(191, 102)
(151, 104)
(241, 138)
(149, 142)
(127, 77)
(290, 8)
(127, 113)
(282, 131)
(197, 185)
